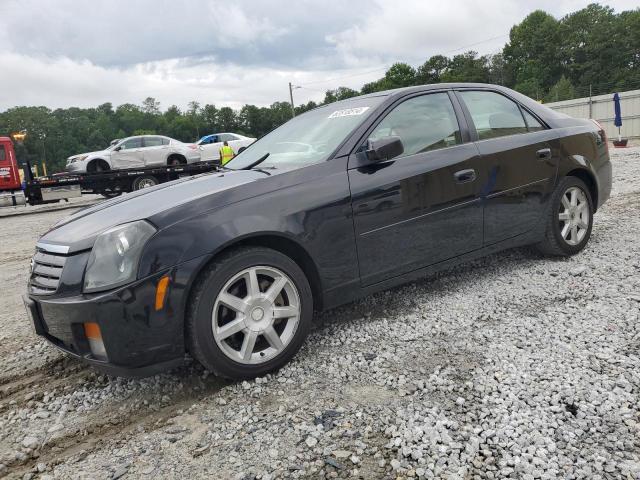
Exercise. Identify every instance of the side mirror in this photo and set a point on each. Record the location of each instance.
(384, 148)
(118, 148)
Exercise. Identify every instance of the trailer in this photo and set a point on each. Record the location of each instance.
(56, 187)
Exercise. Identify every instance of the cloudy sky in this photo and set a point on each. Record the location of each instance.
(84, 53)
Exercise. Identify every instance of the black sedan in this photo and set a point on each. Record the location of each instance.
(339, 202)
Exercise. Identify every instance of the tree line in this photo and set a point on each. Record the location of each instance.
(591, 51)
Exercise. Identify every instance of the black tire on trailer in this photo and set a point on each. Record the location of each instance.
(96, 166)
(144, 181)
(110, 194)
(569, 219)
(249, 312)
(176, 159)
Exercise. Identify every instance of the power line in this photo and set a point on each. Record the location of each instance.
(477, 43)
(344, 76)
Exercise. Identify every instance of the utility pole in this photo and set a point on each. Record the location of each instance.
(293, 108)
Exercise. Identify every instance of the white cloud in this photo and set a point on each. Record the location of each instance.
(79, 53)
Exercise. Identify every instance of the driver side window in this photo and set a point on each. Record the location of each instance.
(423, 123)
(131, 143)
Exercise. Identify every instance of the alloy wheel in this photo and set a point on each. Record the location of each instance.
(574, 215)
(256, 314)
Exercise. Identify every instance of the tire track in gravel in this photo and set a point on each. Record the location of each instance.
(41, 379)
(123, 419)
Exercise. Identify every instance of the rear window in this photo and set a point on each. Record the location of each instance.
(493, 115)
(3, 153)
(532, 123)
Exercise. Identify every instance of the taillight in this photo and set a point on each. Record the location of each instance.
(601, 134)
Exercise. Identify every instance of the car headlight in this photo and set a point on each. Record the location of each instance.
(115, 256)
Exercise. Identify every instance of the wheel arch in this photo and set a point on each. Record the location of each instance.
(94, 160)
(177, 155)
(590, 181)
(280, 243)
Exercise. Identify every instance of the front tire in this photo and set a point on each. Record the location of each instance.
(249, 313)
(569, 219)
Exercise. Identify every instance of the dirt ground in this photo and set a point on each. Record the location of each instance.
(61, 419)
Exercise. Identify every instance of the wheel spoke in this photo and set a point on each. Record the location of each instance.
(564, 217)
(583, 224)
(233, 302)
(582, 207)
(285, 312)
(565, 202)
(275, 289)
(247, 345)
(565, 231)
(574, 233)
(230, 328)
(574, 197)
(251, 279)
(273, 338)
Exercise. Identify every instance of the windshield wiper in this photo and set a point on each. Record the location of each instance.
(256, 163)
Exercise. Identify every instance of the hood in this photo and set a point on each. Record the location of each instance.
(78, 231)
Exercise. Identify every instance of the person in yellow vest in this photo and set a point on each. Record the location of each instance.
(226, 153)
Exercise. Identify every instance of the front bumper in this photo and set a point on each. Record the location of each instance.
(76, 167)
(139, 340)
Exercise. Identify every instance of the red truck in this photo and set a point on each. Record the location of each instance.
(53, 188)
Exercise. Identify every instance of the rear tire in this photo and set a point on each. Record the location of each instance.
(145, 181)
(174, 160)
(569, 219)
(270, 316)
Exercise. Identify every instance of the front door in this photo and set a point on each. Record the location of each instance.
(519, 155)
(423, 206)
(129, 155)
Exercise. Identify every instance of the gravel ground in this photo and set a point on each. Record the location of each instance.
(511, 366)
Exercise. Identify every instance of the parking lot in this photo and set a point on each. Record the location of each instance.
(515, 366)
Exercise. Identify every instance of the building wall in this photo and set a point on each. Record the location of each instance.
(602, 111)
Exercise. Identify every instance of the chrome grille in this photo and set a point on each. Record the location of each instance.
(46, 271)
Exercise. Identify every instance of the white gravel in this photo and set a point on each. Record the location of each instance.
(513, 366)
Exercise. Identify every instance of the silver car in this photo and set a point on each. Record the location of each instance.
(135, 152)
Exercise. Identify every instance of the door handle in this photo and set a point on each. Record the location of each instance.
(464, 176)
(544, 154)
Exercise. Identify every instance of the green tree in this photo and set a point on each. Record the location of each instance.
(532, 54)
(467, 67)
(562, 90)
(432, 70)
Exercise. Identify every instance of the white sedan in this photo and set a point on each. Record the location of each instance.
(210, 144)
(135, 152)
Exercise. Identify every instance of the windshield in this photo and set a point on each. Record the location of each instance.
(309, 138)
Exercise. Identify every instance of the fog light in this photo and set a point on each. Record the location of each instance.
(94, 335)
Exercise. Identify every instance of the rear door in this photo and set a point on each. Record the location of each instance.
(130, 154)
(423, 206)
(519, 155)
(155, 151)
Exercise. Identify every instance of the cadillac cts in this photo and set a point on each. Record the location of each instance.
(339, 202)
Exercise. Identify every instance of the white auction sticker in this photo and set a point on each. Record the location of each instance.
(348, 112)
